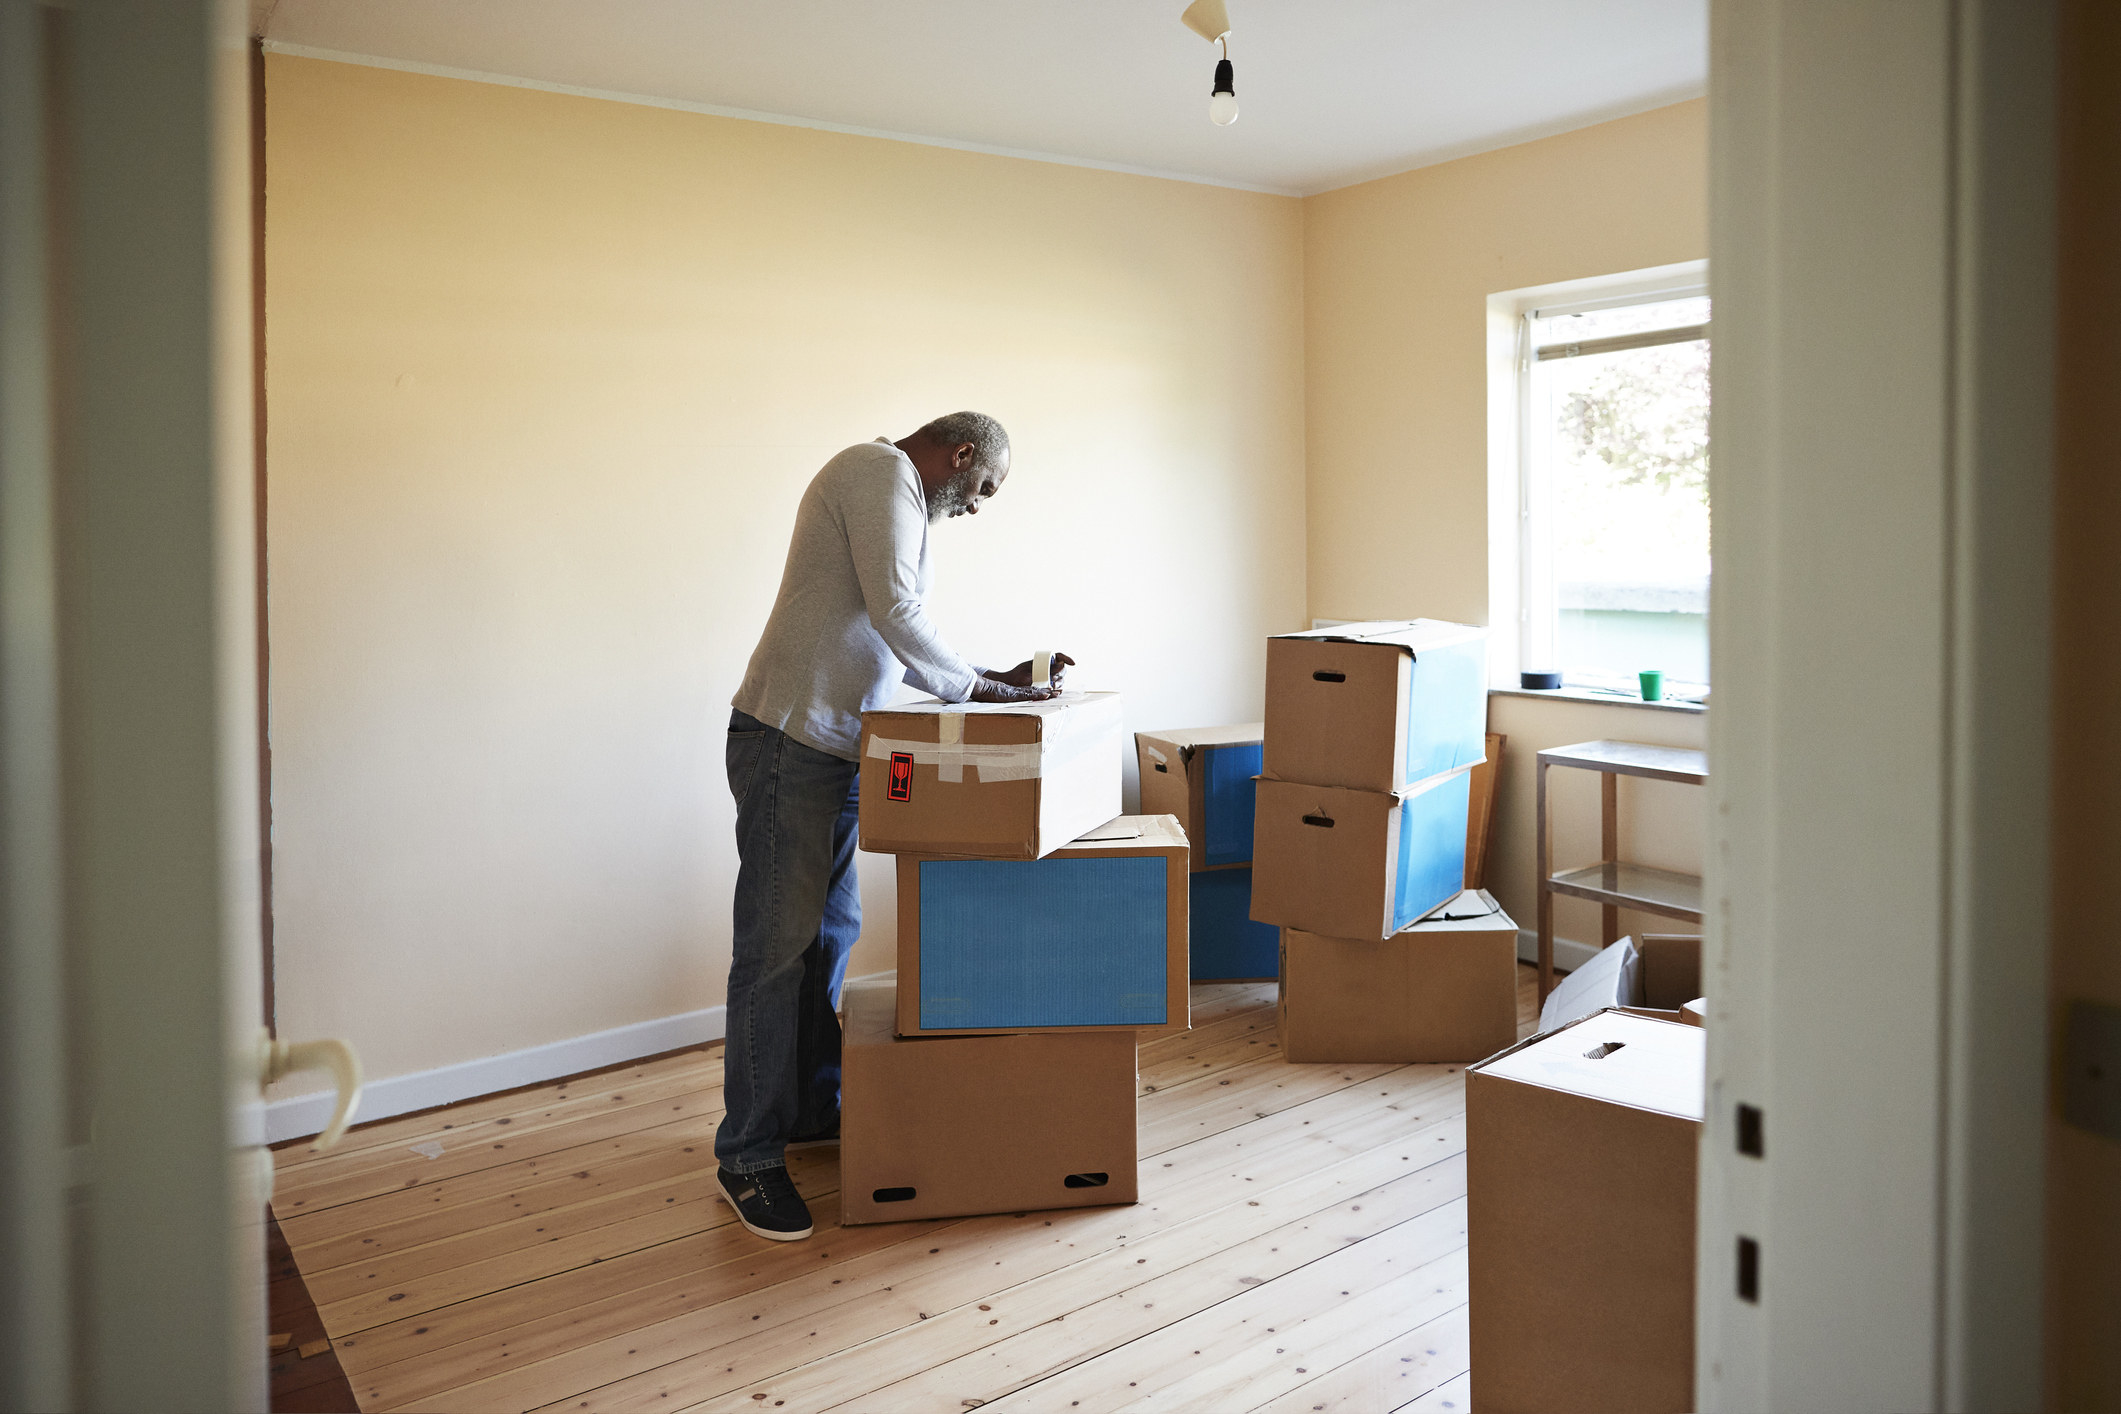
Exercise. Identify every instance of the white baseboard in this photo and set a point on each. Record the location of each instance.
(1568, 953)
(303, 1115)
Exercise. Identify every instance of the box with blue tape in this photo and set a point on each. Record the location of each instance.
(1376, 706)
(1203, 776)
(1356, 863)
(1091, 937)
(1227, 945)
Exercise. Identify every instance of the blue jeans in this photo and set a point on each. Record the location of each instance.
(798, 913)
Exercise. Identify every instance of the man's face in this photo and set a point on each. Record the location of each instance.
(966, 491)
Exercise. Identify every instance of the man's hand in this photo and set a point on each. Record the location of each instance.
(1020, 675)
(986, 689)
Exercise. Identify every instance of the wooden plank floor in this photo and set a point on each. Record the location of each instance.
(1299, 1246)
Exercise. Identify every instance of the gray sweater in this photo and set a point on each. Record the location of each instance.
(848, 624)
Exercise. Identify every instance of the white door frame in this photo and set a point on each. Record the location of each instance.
(36, 1364)
(1882, 261)
(142, 1239)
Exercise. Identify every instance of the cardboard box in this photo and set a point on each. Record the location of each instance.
(1357, 864)
(1444, 989)
(1671, 970)
(1203, 775)
(1480, 811)
(1376, 706)
(979, 1124)
(1227, 946)
(1659, 974)
(1580, 1169)
(990, 782)
(1092, 936)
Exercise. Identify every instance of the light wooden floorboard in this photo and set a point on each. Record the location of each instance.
(1299, 1247)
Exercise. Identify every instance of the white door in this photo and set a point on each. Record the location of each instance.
(131, 1275)
(1882, 258)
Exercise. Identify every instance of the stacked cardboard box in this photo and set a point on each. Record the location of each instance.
(1204, 777)
(1580, 1174)
(1039, 933)
(1360, 827)
(1442, 989)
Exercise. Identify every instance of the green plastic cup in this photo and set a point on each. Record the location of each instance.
(1652, 685)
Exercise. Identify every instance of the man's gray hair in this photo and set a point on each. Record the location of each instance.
(990, 444)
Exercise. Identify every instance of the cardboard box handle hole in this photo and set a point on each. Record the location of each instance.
(1329, 677)
(1603, 1049)
(893, 1195)
(1086, 1180)
(1162, 768)
(1324, 822)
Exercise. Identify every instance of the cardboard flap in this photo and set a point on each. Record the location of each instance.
(1659, 1066)
(1051, 707)
(1136, 834)
(1413, 635)
(1179, 744)
(1474, 911)
(1609, 979)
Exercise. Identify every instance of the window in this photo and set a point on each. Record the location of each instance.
(1601, 478)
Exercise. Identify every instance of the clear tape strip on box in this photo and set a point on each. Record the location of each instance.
(1018, 762)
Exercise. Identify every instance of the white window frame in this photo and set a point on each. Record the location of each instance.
(1516, 527)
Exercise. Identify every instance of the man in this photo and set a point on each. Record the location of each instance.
(848, 625)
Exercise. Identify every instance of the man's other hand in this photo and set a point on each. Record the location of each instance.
(1020, 675)
(986, 689)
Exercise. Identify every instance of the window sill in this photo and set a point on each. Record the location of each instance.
(1609, 699)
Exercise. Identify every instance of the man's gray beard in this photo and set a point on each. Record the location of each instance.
(953, 495)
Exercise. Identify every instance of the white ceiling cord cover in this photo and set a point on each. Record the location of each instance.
(1210, 19)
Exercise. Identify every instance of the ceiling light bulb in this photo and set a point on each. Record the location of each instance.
(1222, 106)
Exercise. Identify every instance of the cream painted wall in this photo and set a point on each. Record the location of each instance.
(546, 377)
(1396, 278)
(1397, 273)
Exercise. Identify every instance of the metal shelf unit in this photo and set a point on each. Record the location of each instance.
(1613, 882)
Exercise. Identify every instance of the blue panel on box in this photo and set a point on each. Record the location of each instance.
(1226, 942)
(1447, 709)
(1044, 942)
(1432, 848)
(1227, 798)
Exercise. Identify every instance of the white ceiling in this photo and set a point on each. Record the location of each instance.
(1332, 91)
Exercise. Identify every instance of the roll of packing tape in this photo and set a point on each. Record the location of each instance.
(1042, 668)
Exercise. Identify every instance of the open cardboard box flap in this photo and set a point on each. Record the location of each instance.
(1203, 775)
(1180, 743)
(1414, 635)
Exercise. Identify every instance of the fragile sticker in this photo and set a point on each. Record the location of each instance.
(900, 784)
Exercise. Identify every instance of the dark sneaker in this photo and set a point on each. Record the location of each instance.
(767, 1203)
(815, 1141)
